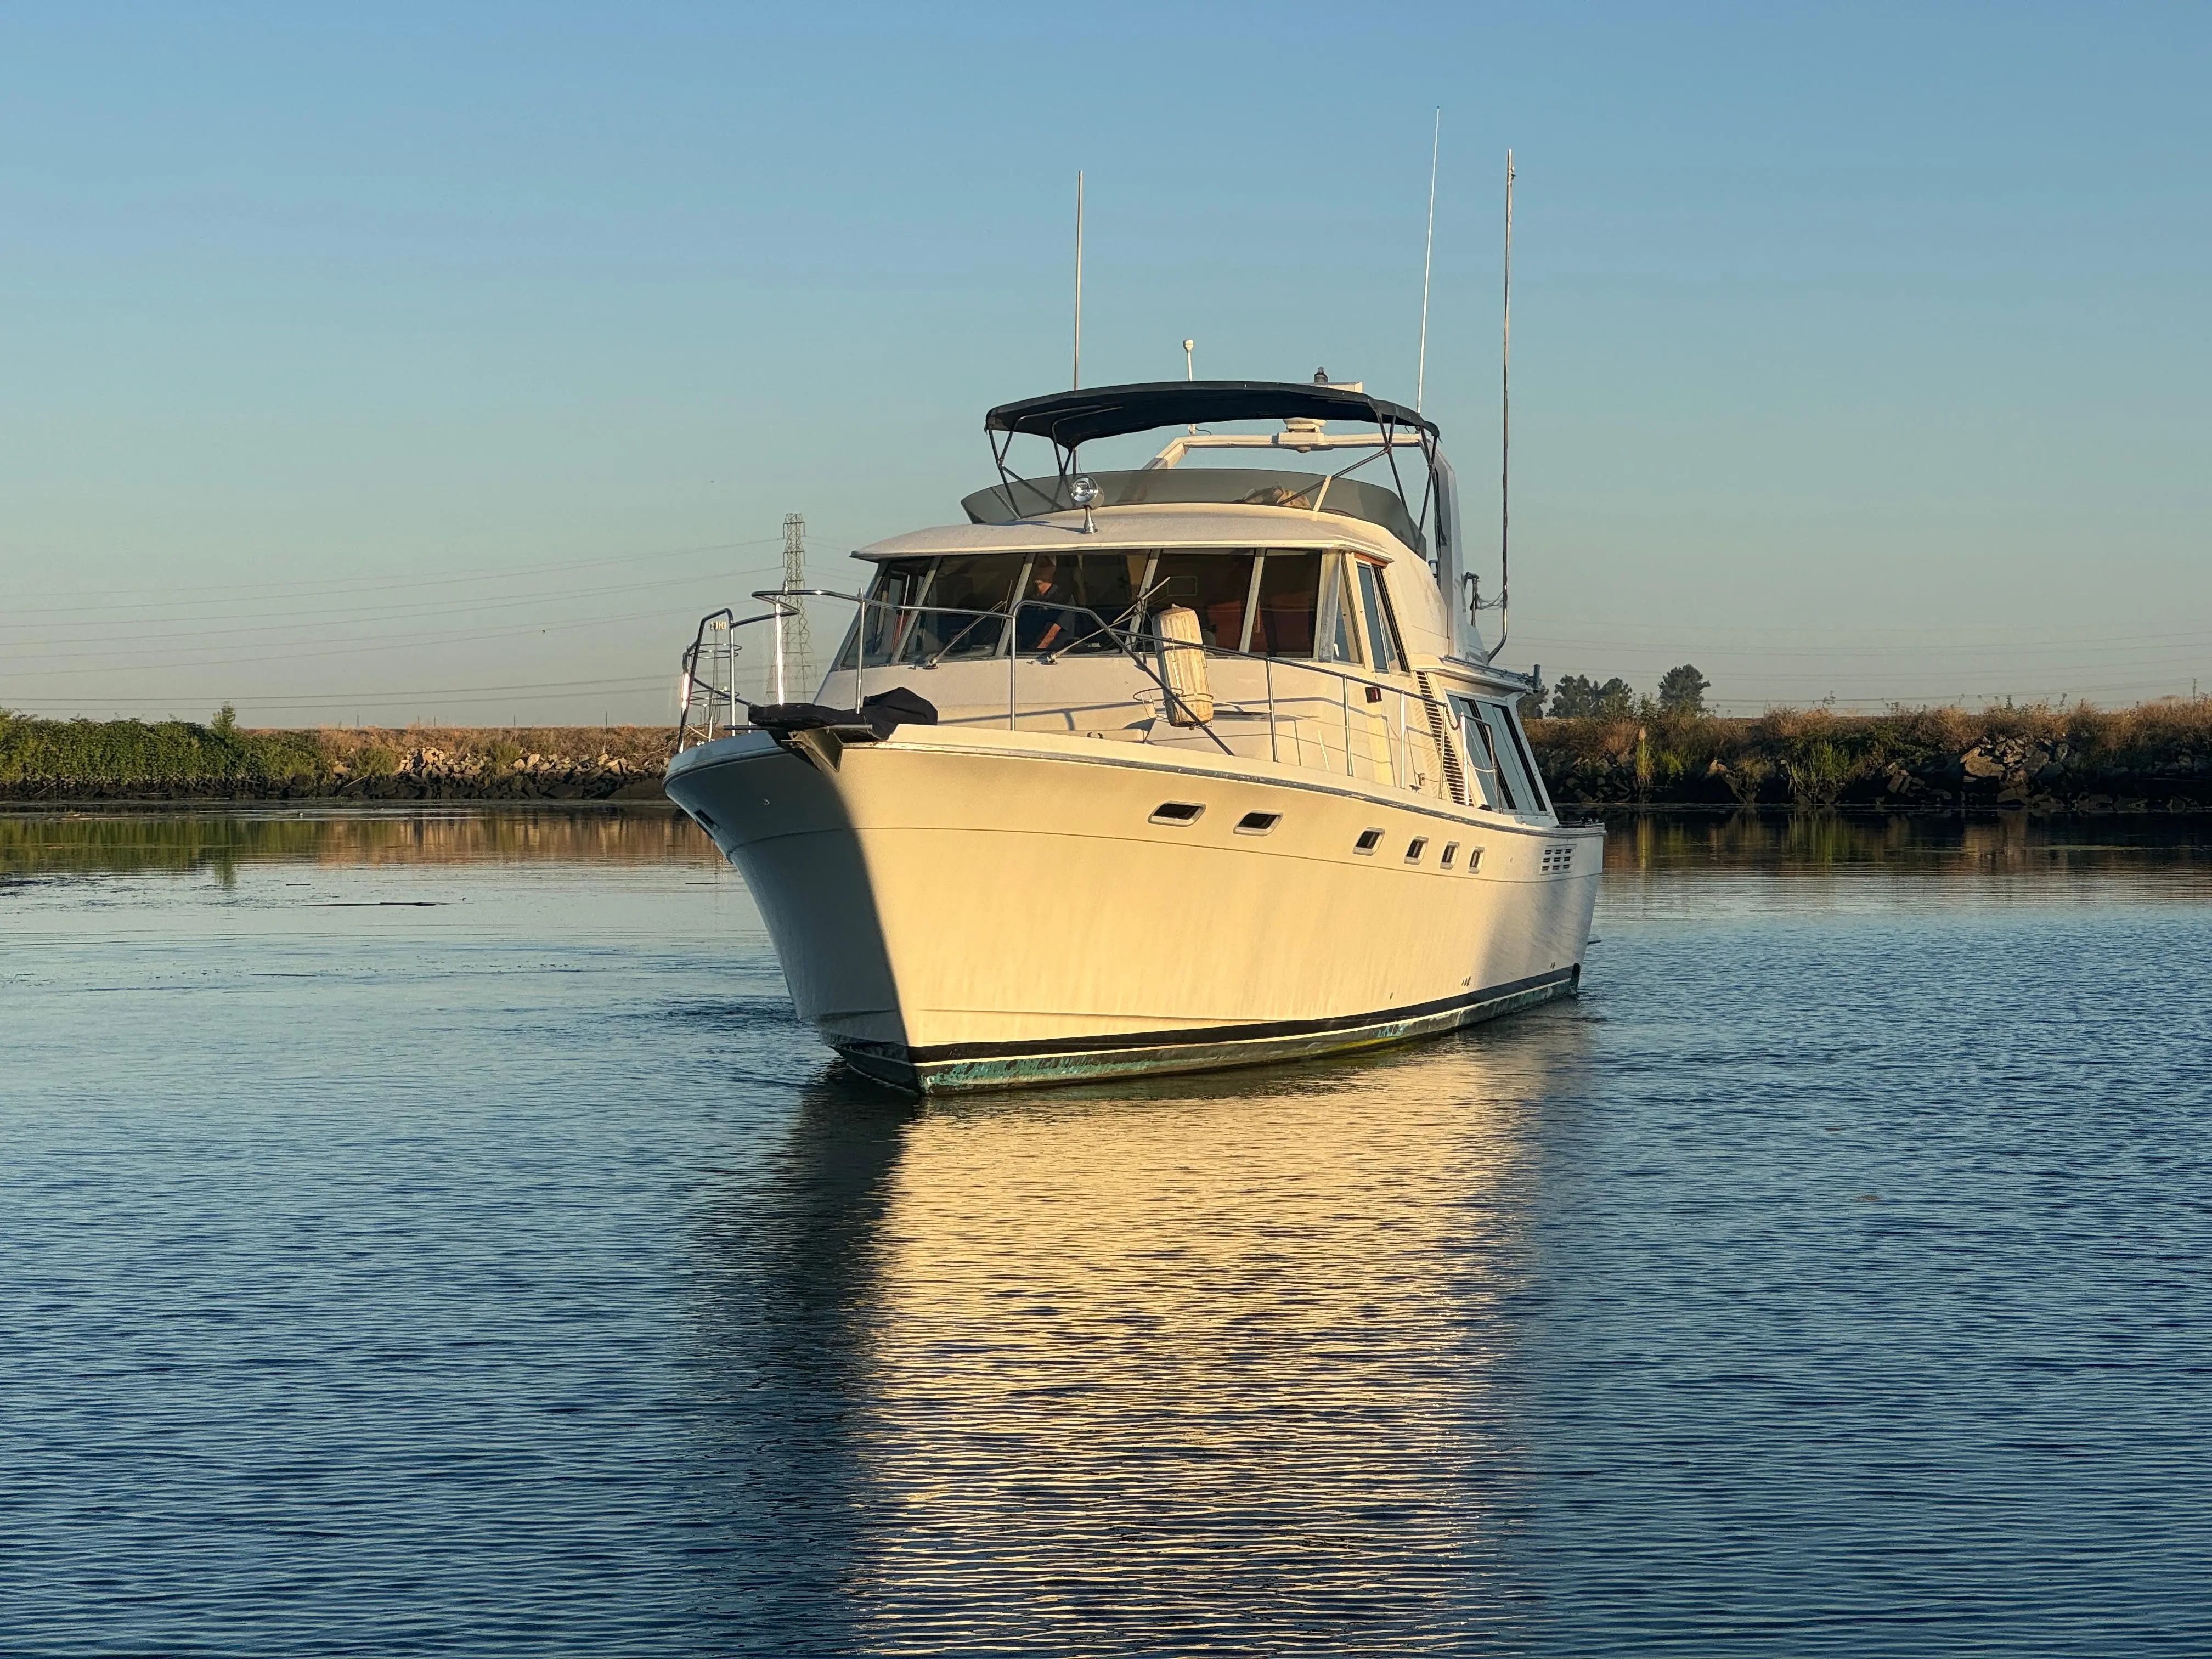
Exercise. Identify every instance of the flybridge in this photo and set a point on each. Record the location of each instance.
(1425, 521)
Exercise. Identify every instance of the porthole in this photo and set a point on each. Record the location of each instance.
(1368, 841)
(1451, 852)
(1415, 848)
(1176, 812)
(1258, 823)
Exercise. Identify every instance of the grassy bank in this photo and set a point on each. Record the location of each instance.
(182, 760)
(2156, 757)
(2153, 757)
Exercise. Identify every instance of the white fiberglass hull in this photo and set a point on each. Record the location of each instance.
(959, 908)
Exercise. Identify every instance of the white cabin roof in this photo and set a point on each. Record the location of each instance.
(1151, 527)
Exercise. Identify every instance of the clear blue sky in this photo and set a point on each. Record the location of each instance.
(366, 362)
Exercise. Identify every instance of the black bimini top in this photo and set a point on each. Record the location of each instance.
(1069, 418)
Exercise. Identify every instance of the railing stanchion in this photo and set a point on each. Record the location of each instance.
(1343, 701)
(1267, 672)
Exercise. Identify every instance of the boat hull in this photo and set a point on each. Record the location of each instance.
(961, 910)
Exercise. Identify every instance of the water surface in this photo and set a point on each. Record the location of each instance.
(431, 1232)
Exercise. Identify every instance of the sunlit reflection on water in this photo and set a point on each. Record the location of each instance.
(1223, 1359)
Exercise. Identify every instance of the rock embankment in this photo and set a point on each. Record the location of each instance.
(432, 772)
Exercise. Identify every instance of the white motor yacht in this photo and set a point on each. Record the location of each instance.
(1168, 769)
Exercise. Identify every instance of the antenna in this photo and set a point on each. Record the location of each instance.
(1076, 379)
(1428, 252)
(1505, 430)
(796, 647)
(1189, 359)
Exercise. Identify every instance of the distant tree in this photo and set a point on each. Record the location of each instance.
(1682, 690)
(1579, 698)
(225, 722)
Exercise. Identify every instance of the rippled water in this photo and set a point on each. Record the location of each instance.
(433, 1234)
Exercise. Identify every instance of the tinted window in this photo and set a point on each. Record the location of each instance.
(1290, 587)
(1214, 585)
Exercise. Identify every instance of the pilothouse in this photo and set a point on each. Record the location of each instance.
(1196, 763)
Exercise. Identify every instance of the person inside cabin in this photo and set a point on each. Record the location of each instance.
(1045, 623)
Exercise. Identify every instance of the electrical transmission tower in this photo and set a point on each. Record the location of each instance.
(797, 652)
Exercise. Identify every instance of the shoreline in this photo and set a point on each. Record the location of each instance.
(2154, 760)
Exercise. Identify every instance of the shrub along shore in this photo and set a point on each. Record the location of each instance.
(2155, 757)
(62, 761)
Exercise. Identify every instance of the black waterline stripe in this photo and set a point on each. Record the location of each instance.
(1194, 1036)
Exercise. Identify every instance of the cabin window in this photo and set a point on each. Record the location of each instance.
(1217, 586)
(1513, 762)
(1258, 823)
(874, 638)
(1283, 620)
(1383, 651)
(1368, 841)
(1338, 627)
(1535, 780)
(1484, 746)
(1415, 848)
(1177, 811)
(1451, 852)
(963, 608)
(1071, 600)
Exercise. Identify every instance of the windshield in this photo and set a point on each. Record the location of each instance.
(1265, 601)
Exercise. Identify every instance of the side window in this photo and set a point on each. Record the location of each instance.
(1381, 626)
(1483, 744)
(875, 632)
(1510, 723)
(1504, 752)
(1338, 630)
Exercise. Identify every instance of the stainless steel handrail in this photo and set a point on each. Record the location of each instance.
(1131, 645)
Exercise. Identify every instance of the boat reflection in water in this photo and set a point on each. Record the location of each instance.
(1223, 1359)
